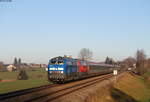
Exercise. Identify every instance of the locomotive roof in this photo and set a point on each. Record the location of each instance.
(61, 58)
(90, 63)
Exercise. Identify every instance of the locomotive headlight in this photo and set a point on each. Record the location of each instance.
(52, 68)
(60, 68)
(61, 72)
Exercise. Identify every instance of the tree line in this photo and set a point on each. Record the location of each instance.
(140, 62)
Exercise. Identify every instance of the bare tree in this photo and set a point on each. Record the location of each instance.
(1, 66)
(148, 64)
(22, 75)
(129, 62)
(85, 54)
(141, 62)
(19, 63)
(15, 62)
(109, 60)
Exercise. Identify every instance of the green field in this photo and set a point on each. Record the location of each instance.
(37, 77)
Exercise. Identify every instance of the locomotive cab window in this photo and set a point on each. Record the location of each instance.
(53, 62)
(60, 62)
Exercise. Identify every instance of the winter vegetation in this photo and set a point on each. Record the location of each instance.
(85, 54)
(140, 62)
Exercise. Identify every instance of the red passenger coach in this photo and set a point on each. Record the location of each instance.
(83, 66)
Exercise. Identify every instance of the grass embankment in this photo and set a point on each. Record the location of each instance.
(37, 78)
(131, 88)
(128, 88)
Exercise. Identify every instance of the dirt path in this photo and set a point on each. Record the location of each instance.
(10, 80)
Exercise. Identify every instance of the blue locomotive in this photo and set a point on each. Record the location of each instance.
(61, 69)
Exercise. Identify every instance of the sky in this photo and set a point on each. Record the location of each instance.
(37, 30)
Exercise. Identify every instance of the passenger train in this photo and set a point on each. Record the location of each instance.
(64, 69)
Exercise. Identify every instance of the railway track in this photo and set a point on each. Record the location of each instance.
(24, 92)
(74, 88)
(52, 92)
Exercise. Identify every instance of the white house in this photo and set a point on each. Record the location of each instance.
(11, 68)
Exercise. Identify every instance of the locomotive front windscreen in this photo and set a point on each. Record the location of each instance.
(56, 65)
(56, 61)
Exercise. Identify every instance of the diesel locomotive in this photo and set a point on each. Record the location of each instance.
(64, 69)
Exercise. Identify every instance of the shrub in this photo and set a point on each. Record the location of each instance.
(22, 75)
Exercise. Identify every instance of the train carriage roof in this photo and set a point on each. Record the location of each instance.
(100, 64)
